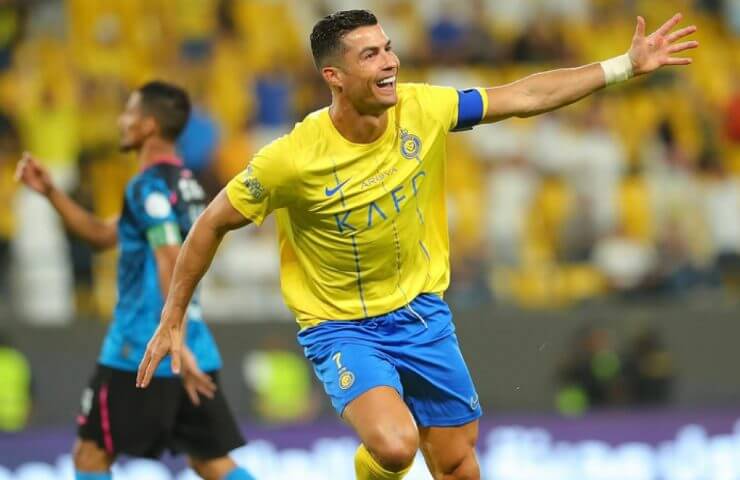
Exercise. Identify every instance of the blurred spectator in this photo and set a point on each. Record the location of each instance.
(311, 93)
(552, 205)
(681, 240)
(469, 289)
(464, 36)
(273, 91)
(625, 262)
(9, 154)
(597, 162)
(196, 22)
(580, 232)
(648, 370)
(49, 126)
(627, 256)
(404, 26)
(103, 41)
(197, 145)
(481, 46)
(595, 374)
(712, 7)
(592, 375)
(16, 391)
(511, 186)
(198, 141)
(233, 155)
(282, 382)
(721, 208)
(448, 38)
(81, 254)
(542, 41)
(12, 17)
(731, 15)
(225, 17)
(732, 117)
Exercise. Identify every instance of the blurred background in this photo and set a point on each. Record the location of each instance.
(595, 250)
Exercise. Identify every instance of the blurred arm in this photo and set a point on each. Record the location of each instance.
(98, 233)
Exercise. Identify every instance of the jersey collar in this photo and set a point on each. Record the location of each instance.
(163, 160)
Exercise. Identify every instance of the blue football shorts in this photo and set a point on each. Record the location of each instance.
(413, 349)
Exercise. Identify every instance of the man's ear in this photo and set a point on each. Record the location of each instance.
(149, 126)
(332, 76)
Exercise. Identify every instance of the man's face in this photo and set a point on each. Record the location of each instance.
(367, 69)
(133, 125)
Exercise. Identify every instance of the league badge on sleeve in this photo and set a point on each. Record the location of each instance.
(253, 184)
(157, 205)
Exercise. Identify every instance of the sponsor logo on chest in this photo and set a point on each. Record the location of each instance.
(395, 198)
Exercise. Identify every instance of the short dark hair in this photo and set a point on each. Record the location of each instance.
(326, 37)
(168, 104)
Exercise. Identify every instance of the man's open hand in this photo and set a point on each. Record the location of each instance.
(167, 339)
(656, 50)
(195, 381)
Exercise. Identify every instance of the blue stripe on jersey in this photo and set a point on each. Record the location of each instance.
(470, 109)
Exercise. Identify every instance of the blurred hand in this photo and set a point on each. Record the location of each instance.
(650, 53)
(32, 174)
(194, 380)
(166, 339)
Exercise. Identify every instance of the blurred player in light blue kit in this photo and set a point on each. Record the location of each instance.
(186, 413)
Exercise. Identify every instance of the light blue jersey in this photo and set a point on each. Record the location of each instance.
(165, 196)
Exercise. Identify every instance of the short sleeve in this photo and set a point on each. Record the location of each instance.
(268, 183)
(457, 109)
(151, 206)
(471, 108)
(150, 203)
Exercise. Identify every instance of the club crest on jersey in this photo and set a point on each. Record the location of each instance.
(253, 185)
(410, 145)
(346, 380)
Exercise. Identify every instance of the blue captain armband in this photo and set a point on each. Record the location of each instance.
(472, 105)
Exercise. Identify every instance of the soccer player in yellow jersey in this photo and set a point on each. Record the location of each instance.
(359, 193)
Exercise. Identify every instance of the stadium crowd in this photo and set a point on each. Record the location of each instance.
(633, 192)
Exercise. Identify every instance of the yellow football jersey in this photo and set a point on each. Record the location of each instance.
(362, 227)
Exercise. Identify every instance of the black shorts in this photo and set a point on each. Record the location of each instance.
(123, 419)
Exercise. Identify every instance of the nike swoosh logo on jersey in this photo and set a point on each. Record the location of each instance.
(331, 191)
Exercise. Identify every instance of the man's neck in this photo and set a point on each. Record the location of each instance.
(355, 126)
(154, 150)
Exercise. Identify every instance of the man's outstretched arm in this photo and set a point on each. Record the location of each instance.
(546, 91)
(100, 234)
(193, 261)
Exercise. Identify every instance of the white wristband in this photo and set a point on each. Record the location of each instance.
(617, 69)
